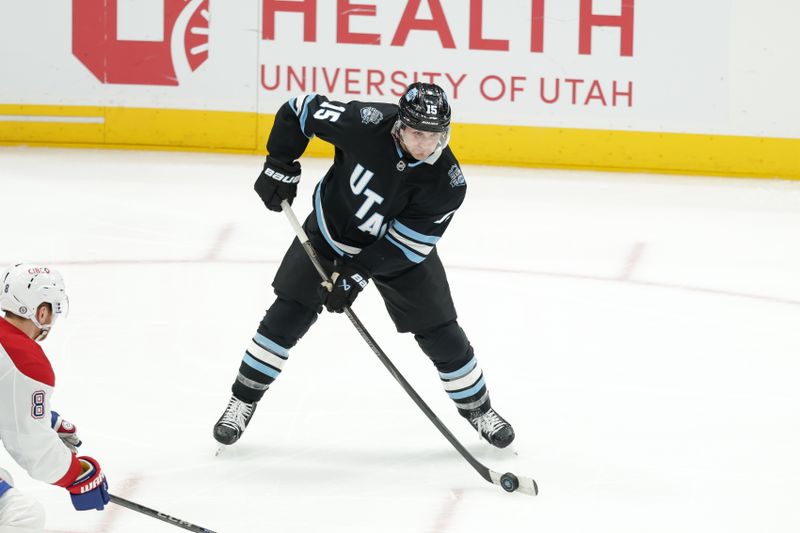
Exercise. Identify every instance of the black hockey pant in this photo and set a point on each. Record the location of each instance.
(418, 301)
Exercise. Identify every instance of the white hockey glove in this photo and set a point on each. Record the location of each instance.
(67, 432)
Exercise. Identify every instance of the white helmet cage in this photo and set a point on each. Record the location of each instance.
(24, 287)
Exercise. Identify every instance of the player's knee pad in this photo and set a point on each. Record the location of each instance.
(20, 512)
(286, 321)
(446, 345)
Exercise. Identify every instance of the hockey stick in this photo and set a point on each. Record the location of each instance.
(159, 515)
(508, 481)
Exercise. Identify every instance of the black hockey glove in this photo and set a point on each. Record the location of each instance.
(348, 281)
(277, 182)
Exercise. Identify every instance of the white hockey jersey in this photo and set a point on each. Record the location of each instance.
(26, 384)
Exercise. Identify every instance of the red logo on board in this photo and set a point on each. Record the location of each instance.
(183, 47)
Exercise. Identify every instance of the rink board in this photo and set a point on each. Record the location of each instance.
(235, 132)
(603, 84)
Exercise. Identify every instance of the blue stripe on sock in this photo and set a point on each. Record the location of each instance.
(469, 392)
(271, 346)
(252, 362)
(4, 487)
(461, 372)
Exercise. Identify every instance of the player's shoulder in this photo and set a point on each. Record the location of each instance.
(448, 158)
(350, 115)
(450, 169)
(441, 186)
(373, 114)
(25, 354)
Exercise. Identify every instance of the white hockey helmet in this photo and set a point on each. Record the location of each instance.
(24, 287)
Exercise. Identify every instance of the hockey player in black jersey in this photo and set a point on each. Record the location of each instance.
(378, 213)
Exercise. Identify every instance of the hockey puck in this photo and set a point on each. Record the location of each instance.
(509, 482)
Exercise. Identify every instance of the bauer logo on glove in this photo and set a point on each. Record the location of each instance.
(348, 281)
(277, 182)
(281, 176)
(358, 279)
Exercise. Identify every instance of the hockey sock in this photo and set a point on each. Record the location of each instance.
(449, 349)
(284, 323)
(261, 365)
(467, 388)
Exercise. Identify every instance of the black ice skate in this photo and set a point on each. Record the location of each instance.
(491, 427)
(231, 424)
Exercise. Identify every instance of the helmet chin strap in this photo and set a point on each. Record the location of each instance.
(43, 332)
(44, 329)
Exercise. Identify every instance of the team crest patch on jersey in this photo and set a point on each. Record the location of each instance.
(456, 177)
(370, 114)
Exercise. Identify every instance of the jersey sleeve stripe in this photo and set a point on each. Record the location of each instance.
(417, 236)
(423, 249)
(298, 103)
(411, 256)
(303, 114)
(293, 105)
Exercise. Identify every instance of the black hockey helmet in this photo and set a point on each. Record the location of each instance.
(424, 106)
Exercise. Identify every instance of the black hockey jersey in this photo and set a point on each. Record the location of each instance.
(376, 205)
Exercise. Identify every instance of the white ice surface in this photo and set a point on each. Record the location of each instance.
(639, 331)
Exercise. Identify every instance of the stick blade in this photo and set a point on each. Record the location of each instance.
(526, 485)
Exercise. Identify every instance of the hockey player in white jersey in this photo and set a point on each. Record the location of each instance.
(32, 298)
